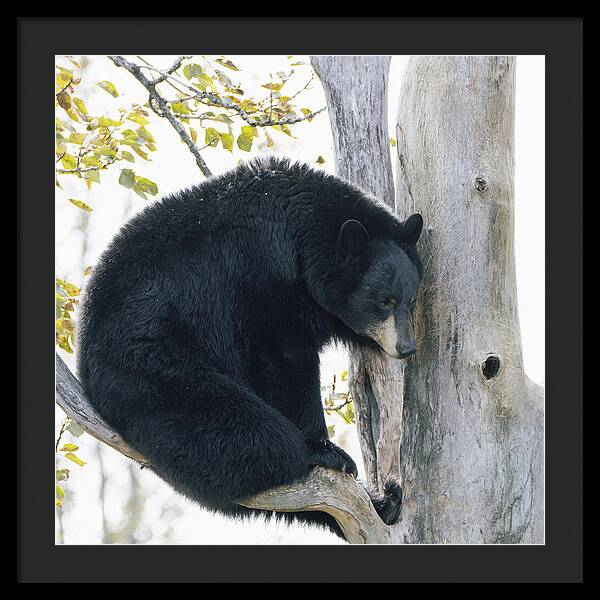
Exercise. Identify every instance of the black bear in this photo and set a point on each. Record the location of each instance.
(202, 323)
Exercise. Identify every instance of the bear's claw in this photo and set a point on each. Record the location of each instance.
(326, 454)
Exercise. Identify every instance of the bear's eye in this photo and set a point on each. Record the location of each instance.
(391, 301)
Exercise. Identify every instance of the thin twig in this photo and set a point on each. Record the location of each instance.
(214, 100)
(166, 73)
(158, 105)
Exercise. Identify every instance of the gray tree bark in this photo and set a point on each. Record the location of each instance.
(356, 92)
(462, 426)
(473, 424)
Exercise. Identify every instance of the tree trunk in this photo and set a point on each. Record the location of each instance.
(356, 92)
(467, 441)
(473, 425)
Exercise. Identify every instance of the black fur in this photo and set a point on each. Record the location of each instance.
(202, 323)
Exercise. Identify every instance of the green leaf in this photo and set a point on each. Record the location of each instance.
(92, 176)
(227, 141)
(274, 87)
(74, 458)
(72, 60)
(194, 135)
(227, 63)
(69, 162)
(244, 142)
(345, 375)
(140, 152)
(127, 156)
(212, 137)
(62, 474)
(330, 431)
(80, 106)
(64, 100)
(145, 185)
(180, 108)
(145, 135)
(106, 122)
(270, 142)
(60, 493)
(249, 131)
(192, 70)
(62, 80)
(70, 288)
(109, 87)
(91, 161)
(348, 414)
(74, 428)
(234, 90)
(137, 118)
(87, 271)
(392, 142)
(73, 115)
(80, 204)
(127, 178)
(106, 151)
(284, 129)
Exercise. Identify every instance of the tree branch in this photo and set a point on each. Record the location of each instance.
(213, 100)
(337, 494)
(159, 106)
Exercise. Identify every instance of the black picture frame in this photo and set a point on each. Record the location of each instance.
(559, 559)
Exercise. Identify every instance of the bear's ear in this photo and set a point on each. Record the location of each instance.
(352, 238)
(411, 228)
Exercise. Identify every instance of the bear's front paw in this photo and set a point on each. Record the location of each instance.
(326, 454)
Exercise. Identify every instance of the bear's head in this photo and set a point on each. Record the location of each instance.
(383, 277)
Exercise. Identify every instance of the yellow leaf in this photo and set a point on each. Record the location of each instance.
(81, 205)
(69, 448)
(274, 87)
(69, 162)
(227, 141)
(227, 63)
(109, 87)
(77, 138)
(75, 459)
(344, 375)
(249, 131)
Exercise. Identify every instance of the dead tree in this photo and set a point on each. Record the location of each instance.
(462, 426)
(459, 423)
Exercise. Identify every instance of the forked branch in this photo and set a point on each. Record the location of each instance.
(335, 493)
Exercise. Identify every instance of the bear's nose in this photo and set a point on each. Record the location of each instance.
(406, 349)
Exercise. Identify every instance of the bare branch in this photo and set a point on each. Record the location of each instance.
(159, 106)
(169, 71)
(334, 493)
(71, 398)
(337, 494)
(213, 100)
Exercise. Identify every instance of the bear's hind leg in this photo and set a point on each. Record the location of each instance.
(220, 444)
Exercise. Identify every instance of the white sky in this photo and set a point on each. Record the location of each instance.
(172, 167)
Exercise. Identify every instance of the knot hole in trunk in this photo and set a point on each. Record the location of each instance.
(491, 366)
